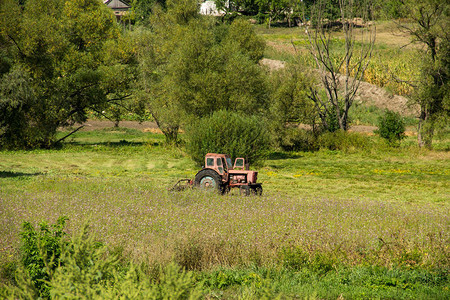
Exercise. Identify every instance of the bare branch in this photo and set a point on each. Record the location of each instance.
(340, 89)
(66, 136)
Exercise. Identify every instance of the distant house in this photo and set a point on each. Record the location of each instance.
(209, 8)
(120, 7)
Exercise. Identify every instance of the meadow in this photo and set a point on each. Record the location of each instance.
(365, 220)
(353, 223)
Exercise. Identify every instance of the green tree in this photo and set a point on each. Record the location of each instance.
(273, 8)
(387, 9)
(290, 105)
(58, 46)
(17, 99)
(142, 9)
(190, 70)
(429, 27)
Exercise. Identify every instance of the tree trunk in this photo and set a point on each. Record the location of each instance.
(171, 135)
(425, 131)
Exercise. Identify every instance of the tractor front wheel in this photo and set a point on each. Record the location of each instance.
(244, 190)
(257, 190)
(209, 180)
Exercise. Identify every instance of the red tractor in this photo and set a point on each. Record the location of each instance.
(219, 174)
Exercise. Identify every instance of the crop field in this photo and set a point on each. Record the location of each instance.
(370, 223)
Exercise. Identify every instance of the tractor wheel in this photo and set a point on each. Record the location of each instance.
(257, 190)
(209, 180)
(244, 190)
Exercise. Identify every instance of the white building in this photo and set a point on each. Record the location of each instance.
(209, 8)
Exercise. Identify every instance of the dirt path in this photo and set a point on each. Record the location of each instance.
(146, 126)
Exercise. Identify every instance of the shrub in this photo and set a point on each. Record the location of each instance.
(86, 270)
(41, 251)
(295, 139)
(391, 127)
(342, 140)
(230, 133)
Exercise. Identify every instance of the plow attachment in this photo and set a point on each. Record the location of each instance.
(181, 185)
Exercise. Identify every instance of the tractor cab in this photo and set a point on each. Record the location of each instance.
(221, 163)
(239, 164)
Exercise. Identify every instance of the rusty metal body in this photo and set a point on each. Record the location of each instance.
(220, 174)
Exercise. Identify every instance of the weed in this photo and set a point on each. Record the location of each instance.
(41, 251)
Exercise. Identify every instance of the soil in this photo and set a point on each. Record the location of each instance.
(146, 126)
(373, 95)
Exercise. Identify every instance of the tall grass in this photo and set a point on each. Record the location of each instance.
(326, 218)
(201, 231)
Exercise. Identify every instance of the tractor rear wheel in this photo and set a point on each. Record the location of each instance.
(209, 180)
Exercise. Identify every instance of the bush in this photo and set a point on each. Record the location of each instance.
(295, 139)
(342, 140)
(229, 133)
(41, 251)
(85, 269)
(391, 127)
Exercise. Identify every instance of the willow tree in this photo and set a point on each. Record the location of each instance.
(56, 68)
(341, 57)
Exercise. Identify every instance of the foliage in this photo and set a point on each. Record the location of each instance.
(387, 9)
(342, 140)
(192, 68)
(41, 253)
(142, 9)
(83, 268)
(229, 133)
(290, 107)
(391, 127)
(90, 271)
(430, 20)
(241, 37)
(297, 139)
(17, 98)
(59, 68)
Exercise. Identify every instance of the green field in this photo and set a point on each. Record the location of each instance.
(360, 223)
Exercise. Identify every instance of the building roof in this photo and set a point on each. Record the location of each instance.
(117, 4)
